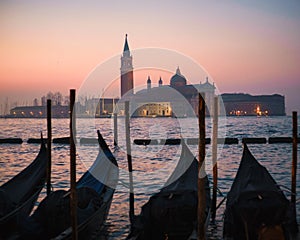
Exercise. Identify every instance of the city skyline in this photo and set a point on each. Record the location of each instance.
(251, 47)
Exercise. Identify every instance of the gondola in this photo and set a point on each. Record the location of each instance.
(19, 194)
(95, 191)
(172, 212)
(256, 207)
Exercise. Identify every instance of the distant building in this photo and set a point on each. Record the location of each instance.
(126, 70)
(103, 107)
(240, 104)
(57, 111)
(178, 99)
(35, 102)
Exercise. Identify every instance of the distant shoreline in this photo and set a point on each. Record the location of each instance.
(109, 116)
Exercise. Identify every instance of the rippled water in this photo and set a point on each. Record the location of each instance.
(152, 164)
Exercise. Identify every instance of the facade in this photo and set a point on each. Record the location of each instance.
(103, 107)
(178, 99)
(57, 111)
(154, 109)
(240, 104)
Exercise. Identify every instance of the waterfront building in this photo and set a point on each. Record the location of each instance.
(57, 111)
(178, 99)
(241, 104)
(95, 107)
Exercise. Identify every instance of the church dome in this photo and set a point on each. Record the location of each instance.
(177, 80)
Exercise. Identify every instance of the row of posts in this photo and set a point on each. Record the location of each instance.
(73, 193)
(201, 183)
(201, 165)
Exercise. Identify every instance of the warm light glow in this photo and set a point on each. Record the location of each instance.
(258, 111)
(244, 45)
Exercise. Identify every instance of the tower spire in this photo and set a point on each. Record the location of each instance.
(126, 47)
(178, 71)
(126, 70)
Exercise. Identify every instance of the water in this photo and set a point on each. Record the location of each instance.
(152, 164)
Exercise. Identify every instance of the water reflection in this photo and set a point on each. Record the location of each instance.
(152, 164)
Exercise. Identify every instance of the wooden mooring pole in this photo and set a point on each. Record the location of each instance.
(115, 128)
(73, 193)
(214, 159)
(201, 169)
(129, 159)
(294, 164)
(49, 140)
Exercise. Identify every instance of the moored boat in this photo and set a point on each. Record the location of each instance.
(172, 212)
(95, 191)
(256, 207)
(19, 194)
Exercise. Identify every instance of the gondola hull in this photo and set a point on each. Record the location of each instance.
(10, 223)
(95, 190)
(19, 195)
(255, 206)
(91, 227)
(172, 212)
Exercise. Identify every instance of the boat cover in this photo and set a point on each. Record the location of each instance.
(254, 201)
(173, 210)
(24, 185)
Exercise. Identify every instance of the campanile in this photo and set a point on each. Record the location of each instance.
(126, 70)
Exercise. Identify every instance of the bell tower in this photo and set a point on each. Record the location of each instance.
(126, 70)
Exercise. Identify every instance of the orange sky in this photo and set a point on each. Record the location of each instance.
(249, 47)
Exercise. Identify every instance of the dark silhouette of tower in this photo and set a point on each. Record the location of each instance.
(126, 70)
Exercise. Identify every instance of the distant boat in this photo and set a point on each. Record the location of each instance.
(19, 194)
(51, 220)
(256, 207)
(172, 212)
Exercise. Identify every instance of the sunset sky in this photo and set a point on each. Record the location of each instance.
(249, 46)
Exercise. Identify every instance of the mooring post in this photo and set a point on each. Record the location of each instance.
(49, 140)
(214, 158)
(73, 194)
(115, 128)
(129, 159)
(201, 169)
(294, 164)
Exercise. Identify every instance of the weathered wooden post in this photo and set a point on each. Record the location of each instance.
(214, 158)
(73, 194)
(49, 140)
(294, 164)
(129, 159)
(201, 169)
(115, 128)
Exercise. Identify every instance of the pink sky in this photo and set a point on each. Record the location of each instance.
(250, 47)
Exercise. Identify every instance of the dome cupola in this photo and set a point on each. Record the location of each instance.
(178, 79)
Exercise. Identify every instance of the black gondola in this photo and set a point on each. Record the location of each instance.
(172, 212)
(256, 207)
(19, 194)
(95, 191)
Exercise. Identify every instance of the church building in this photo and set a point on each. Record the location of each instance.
(178, 99)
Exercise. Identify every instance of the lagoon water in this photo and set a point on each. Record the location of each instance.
(152, 164)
